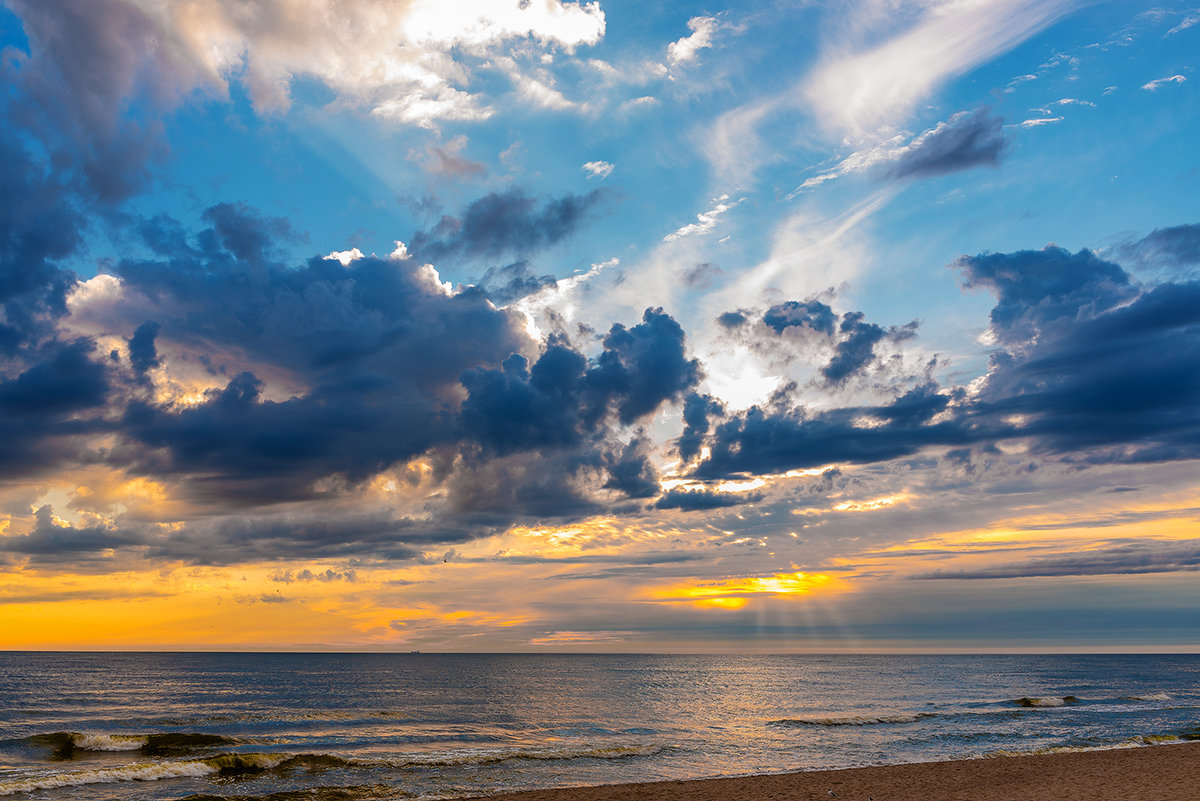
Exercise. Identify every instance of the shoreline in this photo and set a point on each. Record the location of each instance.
(1167, 772)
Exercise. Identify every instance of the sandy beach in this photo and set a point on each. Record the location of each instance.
(1160, 773)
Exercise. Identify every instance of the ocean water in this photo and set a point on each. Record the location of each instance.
(356, 726)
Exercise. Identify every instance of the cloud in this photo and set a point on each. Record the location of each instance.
(397, 59)
(1155, 85)
(142, 353)
(966, 140)
(509, 222)
(854, 353)
(447, 160)
(703, 500)
(87, 62)
(561, 398)
(1119, 558)
(48, 409)
(812, 314)
(1186, 23)
(514, 281)
(1040, 289)
(706, 221)
(684, 50)
(861, 83)
(53, 541)
(1089, 368)
(1037, 122)
(1172, 247)
(598, 169)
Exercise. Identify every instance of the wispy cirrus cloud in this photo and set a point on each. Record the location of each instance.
(706, 221)
(1159, 83)
(862, 83)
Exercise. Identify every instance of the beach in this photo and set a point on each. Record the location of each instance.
(1159, 773)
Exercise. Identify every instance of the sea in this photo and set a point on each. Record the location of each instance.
(325, 727)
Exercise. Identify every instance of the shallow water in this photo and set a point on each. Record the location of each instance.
(349, 726)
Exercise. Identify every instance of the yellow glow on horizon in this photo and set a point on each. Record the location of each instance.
(735, 593)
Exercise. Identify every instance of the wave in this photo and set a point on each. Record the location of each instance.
(1035, 703)
(223, 765)
(352, 793)
(234, 765)
(1148, 697)
(64, 744)
(854, 720)
(490, 756)
(1138, 741)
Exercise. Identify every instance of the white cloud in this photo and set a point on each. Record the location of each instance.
(859, 85)
(598, 169)
(1154, 86)
(345, 256)
(391, 57)
(543, 96)
(1034, 123)
(1071, 101)
(1183, 26)
(706, 221)
(685, 49)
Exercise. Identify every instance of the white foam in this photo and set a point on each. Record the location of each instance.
(126, 773)
(109, 742)
(139, 772)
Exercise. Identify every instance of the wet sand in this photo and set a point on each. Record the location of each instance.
(1157, 773)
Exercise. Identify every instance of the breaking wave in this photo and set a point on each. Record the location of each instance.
(64, 744)
(1037, 703)
(351, 793)
(854, 720)
(1138, 741)
(224, 765)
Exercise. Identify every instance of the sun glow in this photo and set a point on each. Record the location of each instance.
(735, 593)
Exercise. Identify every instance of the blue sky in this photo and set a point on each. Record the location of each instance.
(489, 326)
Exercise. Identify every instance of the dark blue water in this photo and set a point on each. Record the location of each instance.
(349, 726)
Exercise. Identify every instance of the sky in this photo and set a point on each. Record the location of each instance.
(602, 326)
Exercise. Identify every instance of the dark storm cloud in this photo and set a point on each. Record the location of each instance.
(854, 353)
(40, 225)
(501, 223)
(631, 472)
(700, 500)
(390, 366)
(965, 140)
(812, 314)
(51, 541)
(697, 411)
(47, 409)
(1122, 557)
(563, 399)
(513, 282)
(1172, 247)
(732, 320)
(1039, 290)
(142, 353)
(1090, 370)
(758, 441)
